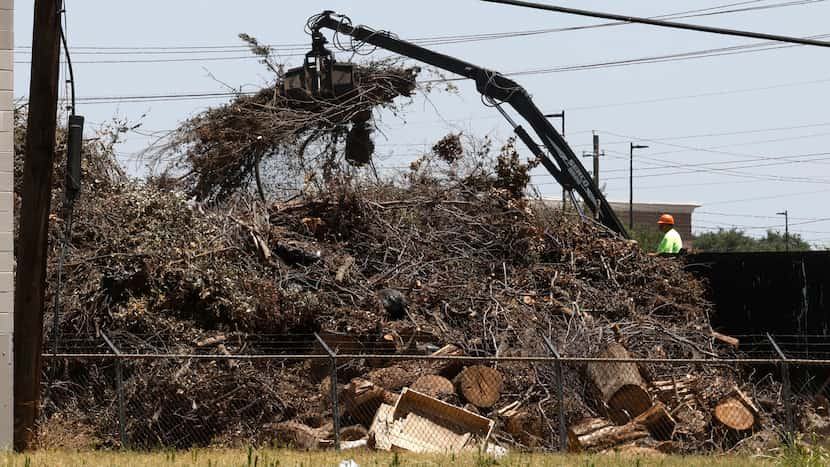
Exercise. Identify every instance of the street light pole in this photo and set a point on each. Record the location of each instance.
(786, 229)
(631, 183)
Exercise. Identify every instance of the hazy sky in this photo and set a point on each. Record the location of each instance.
(744, 132)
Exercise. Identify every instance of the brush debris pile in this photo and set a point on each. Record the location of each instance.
(455, 264)
(455, 267)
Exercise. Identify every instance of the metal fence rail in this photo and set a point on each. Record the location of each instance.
(328, 396)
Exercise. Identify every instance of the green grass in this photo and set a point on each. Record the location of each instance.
(273, 458)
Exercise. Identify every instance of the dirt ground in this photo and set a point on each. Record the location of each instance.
(268, 458)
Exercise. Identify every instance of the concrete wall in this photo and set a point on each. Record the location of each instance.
(6, 220)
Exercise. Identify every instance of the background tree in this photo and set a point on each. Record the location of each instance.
(647, 238)
(737, 240)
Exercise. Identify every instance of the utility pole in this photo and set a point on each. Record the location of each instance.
(631, 183)
(34, 219)
(786, 229)
(595, 154)
(564, 190)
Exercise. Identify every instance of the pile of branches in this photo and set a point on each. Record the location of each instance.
(479, 267)
(222, 148)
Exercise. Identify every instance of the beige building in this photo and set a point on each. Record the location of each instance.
(646, 215)
(6, 220)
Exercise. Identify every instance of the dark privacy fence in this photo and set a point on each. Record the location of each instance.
(767, 292)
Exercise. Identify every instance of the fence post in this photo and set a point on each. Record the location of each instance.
(785, 378)
(560, 395)
(119, 389)
(335, 407)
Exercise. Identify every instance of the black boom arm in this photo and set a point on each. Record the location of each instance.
(568, 170)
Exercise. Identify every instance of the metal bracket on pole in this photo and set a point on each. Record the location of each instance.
(563, 433)
(335, 407)
(119, 381)
(785, 376)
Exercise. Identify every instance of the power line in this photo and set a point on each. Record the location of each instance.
(760, 198)
(737, 132)
(752, 216)
(208, 95)
(694, 148)
(668, 164)
(775, 227)
(729, 171)
(430, 40)
(695, 96)
(675, 57)
(666, 24)
(746, 143)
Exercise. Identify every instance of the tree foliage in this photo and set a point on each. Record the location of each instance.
(737, 240)
(647, 238)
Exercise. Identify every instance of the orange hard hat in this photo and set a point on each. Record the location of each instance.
(666, 219)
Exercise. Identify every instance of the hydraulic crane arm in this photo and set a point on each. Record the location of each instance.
(568, 170)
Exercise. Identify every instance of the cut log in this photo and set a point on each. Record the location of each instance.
(728, 340)
(740, 395)
(295, 435)
(618, 385)
(736, 411)
(212, 340)
(362, 398)
(433, 386)
(353, 433)
(525, 427)
(734, 414)
(395, 378)
(674, 392)
(325, 392)
(447, 368)
(658, 421)
(480, 385)
(594, 434)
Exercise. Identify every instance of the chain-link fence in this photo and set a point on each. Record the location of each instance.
(310, 392)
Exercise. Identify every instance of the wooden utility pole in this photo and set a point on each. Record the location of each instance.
(596, 160)
(595, 155)
(34, 219)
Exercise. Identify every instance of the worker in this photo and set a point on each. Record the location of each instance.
(671, 242)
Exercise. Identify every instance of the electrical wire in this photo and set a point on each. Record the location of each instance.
(208, 95)
(432, 40)
(752, 216)
(692, 148)
(67, 201)
(666, 24)
(68, 61)
(696, 96)
(766, 197)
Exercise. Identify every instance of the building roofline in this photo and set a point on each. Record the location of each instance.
(643, 206)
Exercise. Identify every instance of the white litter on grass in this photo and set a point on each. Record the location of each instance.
(358, 443)
(496, 451)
